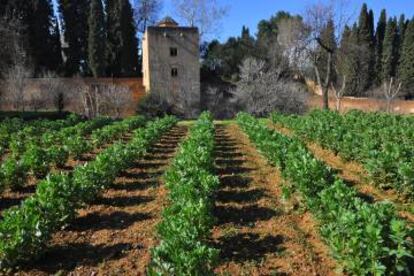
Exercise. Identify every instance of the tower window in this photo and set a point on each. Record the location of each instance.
(174, 72)
(173, 52)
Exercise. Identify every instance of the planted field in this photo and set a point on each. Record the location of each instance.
(243, 197)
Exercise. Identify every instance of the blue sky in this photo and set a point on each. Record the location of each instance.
(250, 12)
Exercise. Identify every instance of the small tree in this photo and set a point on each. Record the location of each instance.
(204, 14)
(324, 21)
(339, 93)
(117, 98)
(262, 90)
(88, 97)
(16, 82)
(146, 13)
(54, 89)
(391, 90)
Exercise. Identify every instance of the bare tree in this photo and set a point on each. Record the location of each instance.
(146, 13)
(86, 97)
(262, 90)
(391, 90)
(339, 93)
(116, 98)
(16, 80)
(317, 17)
(204, 14)
(291, 41)
(54, 90)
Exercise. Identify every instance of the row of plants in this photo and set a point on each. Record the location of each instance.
(14, 131)
(187, 221)
(366, 239)
(55, 147)
(26, 230)
(383, 143)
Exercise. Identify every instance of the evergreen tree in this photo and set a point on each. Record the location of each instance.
(371, 26)
(96, 39)
(349, 61)
(74, 15)
(366, 40)
(247, 43)
(114, 38)
(129, 50)
(379, 41)
(38, 25)
(402, 26)
(56, 48)
(122, 49)
(42, 40)
(390, 50)
(407, 58)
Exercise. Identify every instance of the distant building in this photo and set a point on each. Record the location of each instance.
(171, 64)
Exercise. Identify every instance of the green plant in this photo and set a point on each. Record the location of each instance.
(364, 237)
(188, 220)
(36, 160)
(25, 230)
(381, 142)
(14, 174)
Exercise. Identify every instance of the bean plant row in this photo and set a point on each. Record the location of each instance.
(383, 143)
(367, 239)
(15, 129)
(25, 230)
(188, 220)
(37, 155)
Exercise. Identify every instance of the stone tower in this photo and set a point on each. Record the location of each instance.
(171, 65)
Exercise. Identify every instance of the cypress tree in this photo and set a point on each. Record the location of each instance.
(129, 50)
(74, 14)
(56, 48)
(122, 55)
(38, 29)
(96, 39)
(366, 40)
(407, 57)
(379, 41)
(41, 25)
(114, 37)
(349, 60)
(390, 50)
(371, 27)
(402, 26)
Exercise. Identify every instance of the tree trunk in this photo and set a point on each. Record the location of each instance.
(325, 99)
(325, 89)
(388, 105)
(325, 96)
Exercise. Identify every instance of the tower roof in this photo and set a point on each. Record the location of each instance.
(167, 22)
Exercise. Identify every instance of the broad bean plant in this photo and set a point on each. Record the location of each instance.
(367, 239)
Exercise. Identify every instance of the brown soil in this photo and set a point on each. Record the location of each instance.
(256, 233)
(113, 235)
(355, 175)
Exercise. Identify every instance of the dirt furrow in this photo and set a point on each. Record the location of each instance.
(113, 236)
(256, 233)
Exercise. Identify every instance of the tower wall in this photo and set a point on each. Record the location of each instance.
(175, 77)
